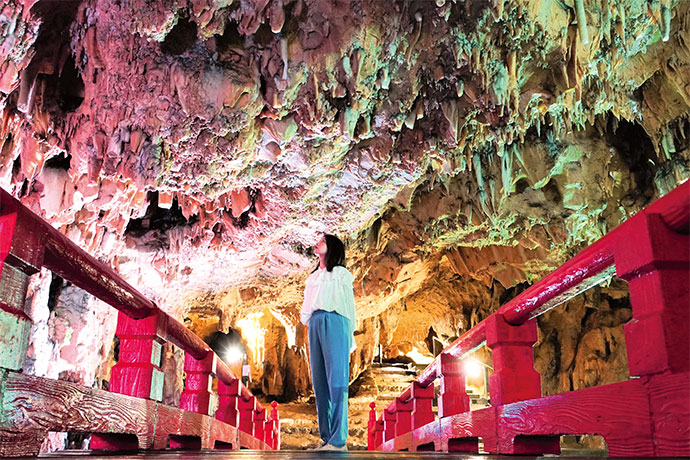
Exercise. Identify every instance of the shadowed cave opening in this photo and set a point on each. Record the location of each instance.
(635, 148)
(59, 83)
(61, 161)
(157, 218)
(181, 37)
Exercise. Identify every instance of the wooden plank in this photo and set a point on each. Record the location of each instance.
(480, 423)
(177, 422)
(32, 406)
(403, 442)
(669, 398)
(429, 433)
(247, 441)
(35, 404)
(282, 455)
(222, 435)
(619, 412)
(20, 443)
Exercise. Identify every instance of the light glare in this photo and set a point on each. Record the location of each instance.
(472, 368)
(233, 355)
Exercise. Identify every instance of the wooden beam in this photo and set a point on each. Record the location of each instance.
(33, 406)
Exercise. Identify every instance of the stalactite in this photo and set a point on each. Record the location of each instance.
(665, 22)
(582, 21)
(284, 55)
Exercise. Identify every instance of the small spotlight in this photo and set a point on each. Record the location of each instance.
(472, 368)
(233, 355)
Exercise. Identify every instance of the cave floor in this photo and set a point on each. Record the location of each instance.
(301, 455)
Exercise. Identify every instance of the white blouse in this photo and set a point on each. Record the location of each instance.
(330, 291)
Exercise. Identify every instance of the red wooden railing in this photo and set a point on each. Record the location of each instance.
(648, 415)
(130, 415)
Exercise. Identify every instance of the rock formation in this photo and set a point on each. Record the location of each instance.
(463, 148)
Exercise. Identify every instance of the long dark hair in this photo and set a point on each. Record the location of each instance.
(335, 253)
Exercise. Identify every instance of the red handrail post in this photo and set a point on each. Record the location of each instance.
(246, 408)
(657, 272)
(196, 396)
(453, 398)
(269, 432)
(371, 427)
(403, 421)
(228, 395)
(515, 379)
(655, 261)
(21, 255)
(259, 420)
(275, 417)
(422, 402)
(389, 419)
(378, 435)
(138, 372)
(271, 425)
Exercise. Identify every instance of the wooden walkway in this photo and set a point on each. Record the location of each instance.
(296, 454)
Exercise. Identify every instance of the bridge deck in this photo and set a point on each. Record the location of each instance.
(304, 455)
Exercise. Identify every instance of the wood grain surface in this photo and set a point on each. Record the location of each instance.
(33, 406)
(669, 398)
(619, 412)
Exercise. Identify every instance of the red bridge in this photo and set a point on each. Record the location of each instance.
(647, 415)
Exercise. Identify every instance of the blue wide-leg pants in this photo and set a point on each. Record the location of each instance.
(329, 356)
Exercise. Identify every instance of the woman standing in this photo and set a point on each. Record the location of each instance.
(329, 312)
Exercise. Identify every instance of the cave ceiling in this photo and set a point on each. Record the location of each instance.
(202, 146)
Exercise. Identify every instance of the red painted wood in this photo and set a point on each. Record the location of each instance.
(35, 405)
(246, 408)
(422, 402)
(428, 434)
(138, 372)
(259, 420)
(20, 236)
(181, 429)
(619, 412)
(398, 443)
(669, 401)
(514, 377)
(674, 209)
(248, 441)
(371, 427)
(197, 388)
(453, 398)
(403, 414)
(228, 396)
(269, 433)
(275, 418)
(657, 338)
(461, 432)
(116, 442)
(378, 433)
(222, 436)
(658, 275)
(389, 419)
